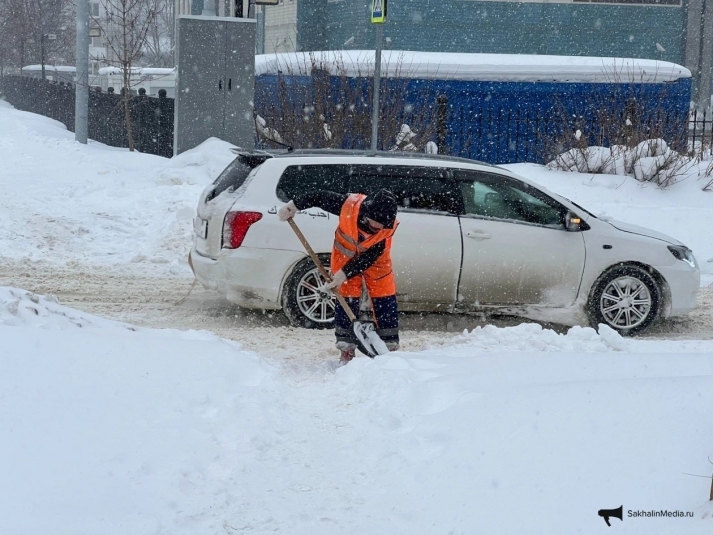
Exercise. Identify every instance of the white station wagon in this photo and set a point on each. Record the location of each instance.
(472, 238)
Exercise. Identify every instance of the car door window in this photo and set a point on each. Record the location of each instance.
(299, 179)
(416, 188)
(501, 197)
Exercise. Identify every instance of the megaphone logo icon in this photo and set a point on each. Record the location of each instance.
(606, 514)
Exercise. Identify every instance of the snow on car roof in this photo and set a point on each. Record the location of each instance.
(475, 67)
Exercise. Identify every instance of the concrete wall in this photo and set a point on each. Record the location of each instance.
(281, 27)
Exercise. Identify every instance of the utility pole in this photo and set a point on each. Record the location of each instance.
(81, 87)
(42, 54)
(378, 17)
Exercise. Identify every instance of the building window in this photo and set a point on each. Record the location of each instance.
(95, 10)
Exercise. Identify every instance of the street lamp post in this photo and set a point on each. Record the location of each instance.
(44, 36)
(42, 54)
(378, 17)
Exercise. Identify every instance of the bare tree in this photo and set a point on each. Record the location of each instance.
(18, 32)
(5, 48)
(323, 101)
(125, 29)
(44, 14)
(160, 39)
(36, 30)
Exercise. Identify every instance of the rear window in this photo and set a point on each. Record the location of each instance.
(425, 188)
(231, 178)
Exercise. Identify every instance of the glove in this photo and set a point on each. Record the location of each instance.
(288, 211)
(338, 279)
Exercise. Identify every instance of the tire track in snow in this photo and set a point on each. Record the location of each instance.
(151, 302)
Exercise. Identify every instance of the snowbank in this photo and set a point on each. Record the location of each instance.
(68, 203)
(114, 430)
(107, 428)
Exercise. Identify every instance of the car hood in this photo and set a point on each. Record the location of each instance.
(642, 231)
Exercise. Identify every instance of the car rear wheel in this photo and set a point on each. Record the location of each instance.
(626, 298)
(305, 300)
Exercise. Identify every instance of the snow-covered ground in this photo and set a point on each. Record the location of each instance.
(68, 204)
(111, 427)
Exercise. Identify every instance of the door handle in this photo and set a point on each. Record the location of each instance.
(477, 235)
(220, 84)
(230, 84)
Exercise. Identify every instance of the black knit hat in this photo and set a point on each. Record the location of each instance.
(381, 207)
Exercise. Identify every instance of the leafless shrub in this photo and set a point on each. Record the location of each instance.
(601, 138)
(709, 174)
(323, 103)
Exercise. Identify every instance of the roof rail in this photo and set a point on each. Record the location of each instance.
(259, 156)
(382, 154)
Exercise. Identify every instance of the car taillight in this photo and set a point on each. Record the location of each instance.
(236, 226)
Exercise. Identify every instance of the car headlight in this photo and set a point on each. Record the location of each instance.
(681, 252)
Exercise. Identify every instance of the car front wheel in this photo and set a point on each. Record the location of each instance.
(305, 300)
(626, 298)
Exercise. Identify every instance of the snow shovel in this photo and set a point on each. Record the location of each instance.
(368, 341)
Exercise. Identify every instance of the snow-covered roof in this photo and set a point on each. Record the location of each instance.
(56, 68)
(142, 71)
(482, 67)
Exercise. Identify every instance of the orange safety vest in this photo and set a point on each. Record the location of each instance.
(349, 242)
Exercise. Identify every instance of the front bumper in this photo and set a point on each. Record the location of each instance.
(248, 277)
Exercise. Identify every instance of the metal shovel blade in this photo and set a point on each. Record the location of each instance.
(368, 341)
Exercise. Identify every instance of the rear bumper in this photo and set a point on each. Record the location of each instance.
(683, 282)
(248, 277)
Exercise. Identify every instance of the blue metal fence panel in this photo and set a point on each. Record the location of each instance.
(507, 122)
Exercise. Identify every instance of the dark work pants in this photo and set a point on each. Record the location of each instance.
(385, 314)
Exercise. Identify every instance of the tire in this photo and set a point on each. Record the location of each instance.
(633, 286)
(304, 304)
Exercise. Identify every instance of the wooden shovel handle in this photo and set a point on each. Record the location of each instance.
(323, 271)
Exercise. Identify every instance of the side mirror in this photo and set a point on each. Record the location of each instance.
(574, 223)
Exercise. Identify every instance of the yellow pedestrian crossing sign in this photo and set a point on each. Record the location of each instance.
(378, 11)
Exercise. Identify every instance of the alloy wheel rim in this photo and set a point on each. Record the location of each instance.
(314, 300)
(625, 303)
